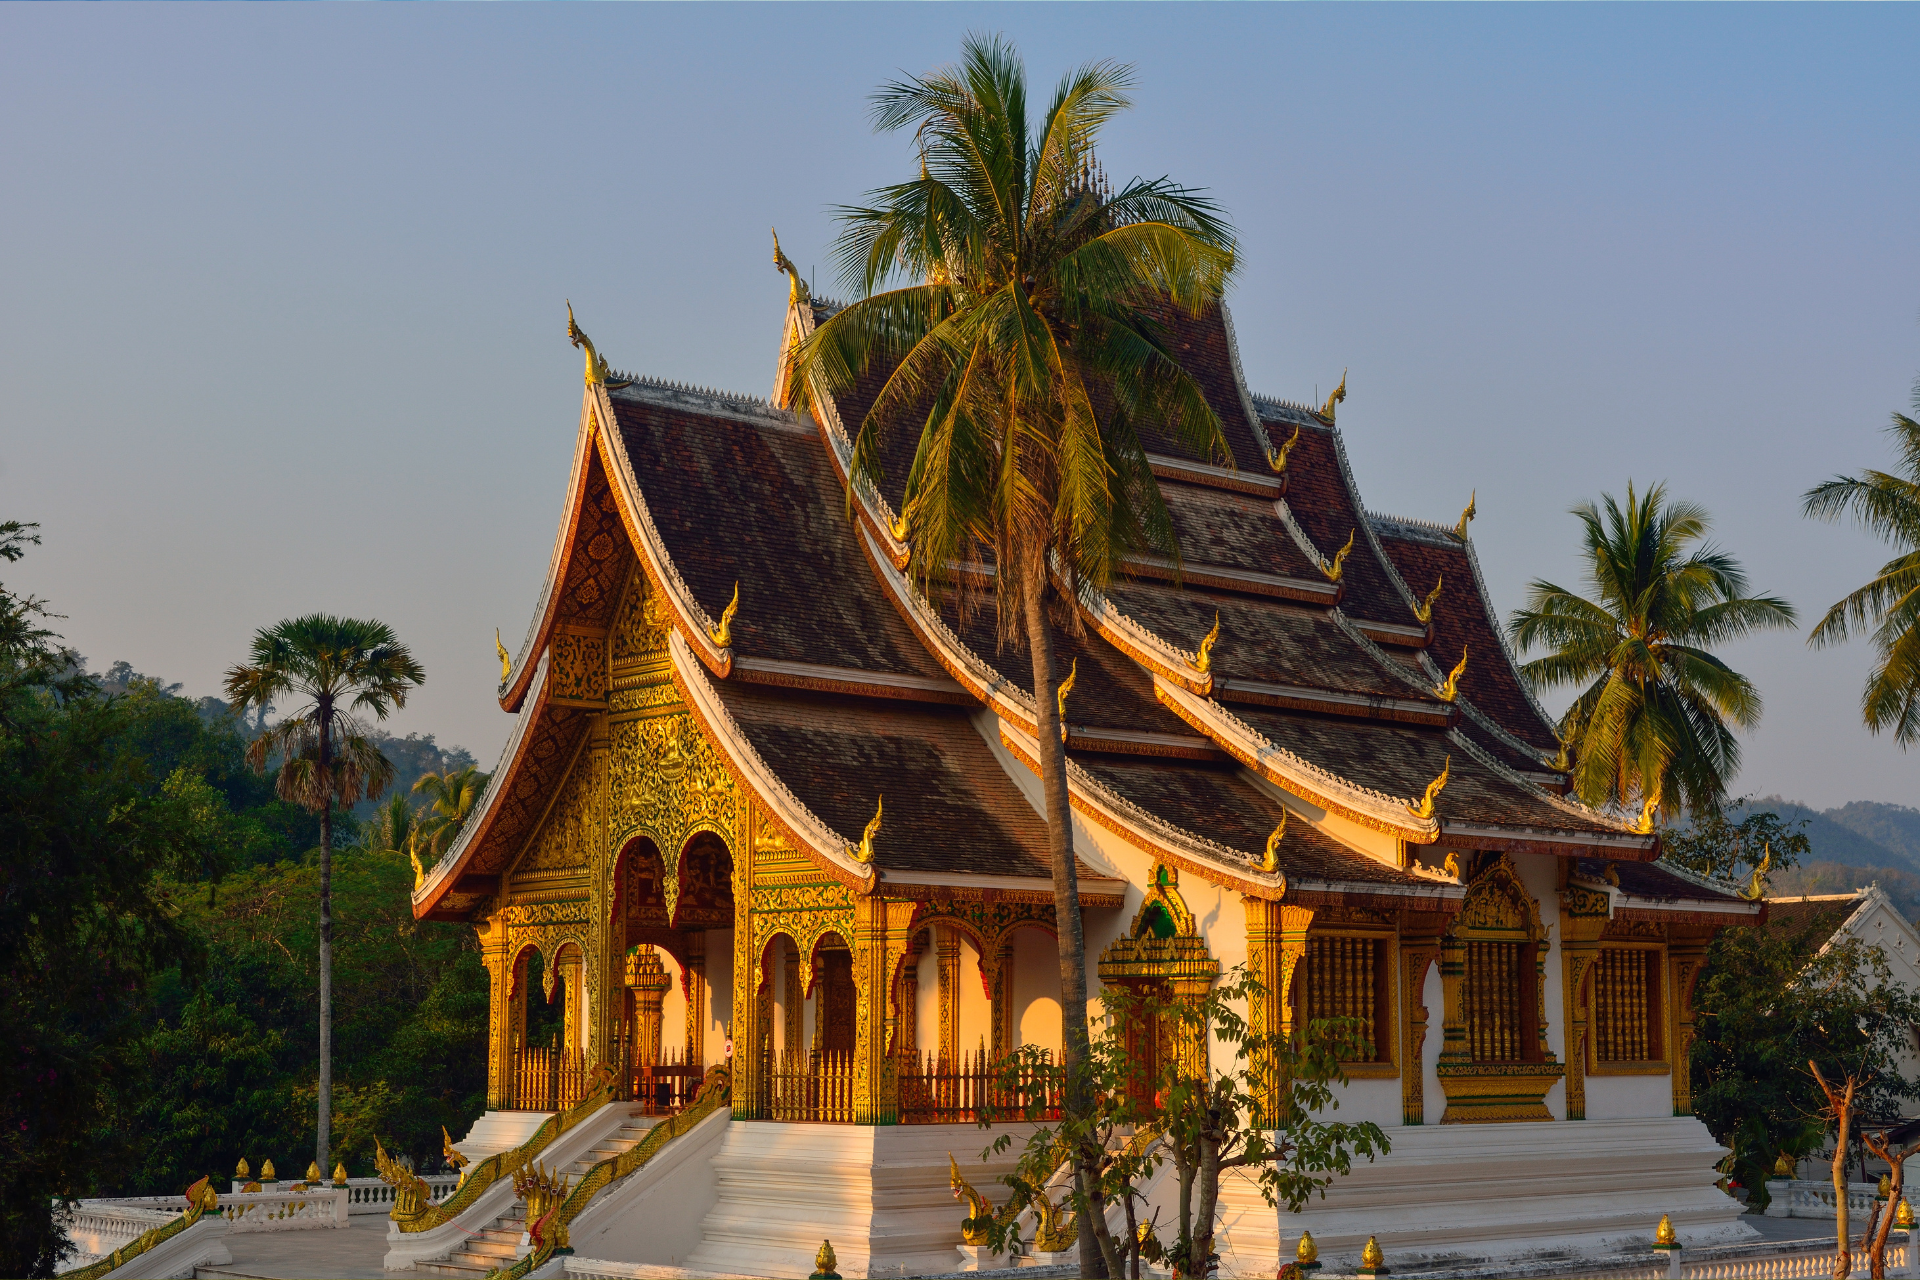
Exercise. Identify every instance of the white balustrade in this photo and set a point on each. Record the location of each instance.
(371, 1195)
(1801, 1198)
(285, 1210)
(98, 1227)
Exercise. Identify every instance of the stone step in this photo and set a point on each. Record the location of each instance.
(449, 1267)
(489, 1247)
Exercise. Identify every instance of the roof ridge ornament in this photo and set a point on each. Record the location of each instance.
(1277, 458)
(722, 633)
(597, 371)
(1339, 394)
(796, 287)
(1066, 687)
(1757, 887)
(1203, 660)
(1271, 858)
(506, 659)
(863, 852)
(1466, 516)
(1449, 689)
(1647, 810)
(1339, 565)
(1425, 808)
(1424, 609)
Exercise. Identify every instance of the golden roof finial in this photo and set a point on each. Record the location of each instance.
(900, 528)
(1203, 660)
(824, 1262)
(1663, 1235)
(1563, 761)
(796, 287)
(1339, 565)
(506, 659)
(1066, 687)
(1308, 1252)
(1647, 810)
(722, 634)
(1277, 459)
(596, 367)
(1466, 516)
(863, 852)
(1271, 859)
(1339, 394)
(413, 856)
(1424, 610)
(1425, 808)
(1450, 688)
(1757, 887)
(1452, 865)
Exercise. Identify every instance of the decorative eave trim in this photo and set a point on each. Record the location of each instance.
(1393, 633)
(706, 402)
(1163, 659)
(1367, 706)
(1372, 809)
(1208, 859)
(851, 680)
(1274, 409)
(821, 843)
(1305, 543)
(1206, 475)
(513, 689)
(1254, 424)
(1613, 830)
(1140, 742)
(690, 620)
(1242, 581)
(1095, 891)
(875, 513)
(1632, 908)
(1445, 898)
(447, 871)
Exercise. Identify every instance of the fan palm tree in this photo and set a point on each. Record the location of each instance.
(1023, 337)
(1888, 506)
(453, 795)
(342, 667)
(1651, 725)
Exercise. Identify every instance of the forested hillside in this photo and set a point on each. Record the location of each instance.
(1855, 844)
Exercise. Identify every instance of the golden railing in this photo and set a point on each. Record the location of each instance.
(939, 1091)
(546, 1079)
(810, 1086)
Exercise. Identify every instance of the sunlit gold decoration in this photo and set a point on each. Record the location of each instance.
(413, 856)
(1372, 1261)
(1425, 808)
(250, 1188)
(1611, 875)
(1783, 1167)
(452, 1154)
(1449, 689)
(796, 287)
(722, 634)
(1883, 1189)
(1066, 687)
(1452, 865)
(1424, 609)
(313, 1171)
(596, 366)
(975, 1228)
(506, 659)
(241, 1170)
(340, 1174)
(824, 1262)
(900, 528)
(1339, 394)
(1663, 1235)
(1339, 564)
(1203, 660)
(1277, 459)
(863, 852)
(1056, 1231)
(1562, 762)
(411, 1194)
(1903, 1216)
(1757, 887)
(1466, 516)
(266, 1171)
(1271, 858)
(1308, 1254)
(1647, 810)
(539, 1188)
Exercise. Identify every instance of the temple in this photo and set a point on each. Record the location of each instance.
(767, 806)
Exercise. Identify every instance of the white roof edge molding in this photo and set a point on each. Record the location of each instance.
(1572, 808)
(1297, 775)
(696, 625)
(1144, 646)
(1143, 829)
(840, 446)
(582, 445)
(1240, 385)
(529, 708)
(768, 788)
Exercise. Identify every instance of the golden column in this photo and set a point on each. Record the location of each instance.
(1417, 954)
(1001, 996)
(693, 985)
(1686, 957)
(947, 949)
(880, 937)
(647, 979)
(1276, 942)
(498, 958)
(1584, 912)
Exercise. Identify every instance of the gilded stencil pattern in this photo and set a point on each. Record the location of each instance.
(578, 668)
(565, 841)
(668, 783)
(640, 634)
(521, 914)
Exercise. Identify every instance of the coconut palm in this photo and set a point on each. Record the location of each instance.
(342, 667)
(453, 795)
(1654, 723)
(1889, 507)
(1023, 337)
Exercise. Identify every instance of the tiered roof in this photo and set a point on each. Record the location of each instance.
(1322, 703)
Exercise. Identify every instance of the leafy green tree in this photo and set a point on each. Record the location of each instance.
(452, 794)
(1734, 840)
(1772, 1001)
(85, 832)
(340, 666)
(1651, 726)
(1888, 506)
(1026, 337)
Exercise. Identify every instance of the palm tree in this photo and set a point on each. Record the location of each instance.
(453, 795)
(341, 666)
(1889, 506)
(1651, 725)
(1026, 335)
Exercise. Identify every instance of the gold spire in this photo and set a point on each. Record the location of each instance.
(1271, 858)
(1371, 1259)
(1424, 610)
(824, 1262)
(1425, 808)
(1339, 565)
(1066, 687)
(1757, 887)
(1466, 517)
(1663, 1235)
(1203, 661)
(863, 852)
(1308, 1252)
(796, 287)
(1647, 811)
(266, 1171)
(1450, 688)
(506, 659)
(1339, 394)
(722, 635)
(1278, 458)
(596, 367)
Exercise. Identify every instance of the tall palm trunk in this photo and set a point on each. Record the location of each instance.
(324, 1138)
(1095, 1243)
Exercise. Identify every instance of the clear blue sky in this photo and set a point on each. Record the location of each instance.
(282, 321)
